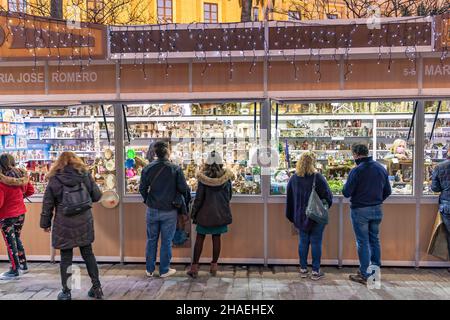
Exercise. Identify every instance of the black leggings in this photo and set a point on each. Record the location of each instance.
(11, 230)
(91, 264)
(199, 247)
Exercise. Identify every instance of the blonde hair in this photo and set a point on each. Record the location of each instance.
(67, 158)
(396, 143)
(305, 165)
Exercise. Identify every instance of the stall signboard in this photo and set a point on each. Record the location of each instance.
(154, 78)
(304, 75)
(382, 74)
(436, 73)
(218, 77)
(22, 80)
(85, 79)
(24, 37)
(283, 76)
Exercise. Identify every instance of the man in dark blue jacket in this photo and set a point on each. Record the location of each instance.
(441, 183)
(161, 184)
(367, 187)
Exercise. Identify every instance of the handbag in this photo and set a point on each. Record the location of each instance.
(316, 210)
(181, 202)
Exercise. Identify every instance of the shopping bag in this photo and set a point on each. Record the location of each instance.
(438, 246)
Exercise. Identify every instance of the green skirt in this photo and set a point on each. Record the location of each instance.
(211, 230)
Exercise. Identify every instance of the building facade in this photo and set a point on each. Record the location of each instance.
(178, 11)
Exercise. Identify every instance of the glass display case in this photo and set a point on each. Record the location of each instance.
(37, 136)
(192, 130)
(437, 146)
(330, 129)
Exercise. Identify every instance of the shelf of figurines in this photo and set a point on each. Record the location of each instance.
(278, 188)
(190, 118)
(245, 183)
(231, 118)
(67, 120)
(366, 117)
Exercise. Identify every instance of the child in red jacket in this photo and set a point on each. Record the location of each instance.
(14, 186)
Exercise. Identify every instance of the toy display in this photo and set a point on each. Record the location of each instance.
(37, 136)
(382, 126)
(191, 139)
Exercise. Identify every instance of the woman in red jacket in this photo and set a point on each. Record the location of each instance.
(14, 186)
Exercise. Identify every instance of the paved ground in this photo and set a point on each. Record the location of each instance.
(232, 282)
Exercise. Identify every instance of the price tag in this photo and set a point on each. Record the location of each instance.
(394, 160)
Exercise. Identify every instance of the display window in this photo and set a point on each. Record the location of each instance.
(192, 131)
(330, 129)
(37, 136)
(437, 143)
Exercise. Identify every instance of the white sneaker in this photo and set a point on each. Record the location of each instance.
(169, 273)
(317, 275)
(149, 274)
(303, 273)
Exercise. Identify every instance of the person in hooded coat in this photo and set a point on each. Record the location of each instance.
(69, 232)
(211, 209)
(14, 186)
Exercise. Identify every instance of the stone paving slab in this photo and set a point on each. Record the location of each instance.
(129, 282)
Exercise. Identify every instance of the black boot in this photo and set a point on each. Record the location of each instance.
(96, 293)
(65, 295)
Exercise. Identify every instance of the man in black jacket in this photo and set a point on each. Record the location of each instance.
(367, 187)
(441, 183)
(162, 183)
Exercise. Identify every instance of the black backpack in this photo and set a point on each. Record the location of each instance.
(75, 199)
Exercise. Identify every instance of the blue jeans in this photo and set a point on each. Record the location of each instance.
(366, 225)
(314, 238)
(164, 223)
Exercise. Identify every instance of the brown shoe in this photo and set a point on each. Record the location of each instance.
(193, 272)
(214, 268)
(358, 278)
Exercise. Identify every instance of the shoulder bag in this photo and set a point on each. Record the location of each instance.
(316, 209)
(154, 178)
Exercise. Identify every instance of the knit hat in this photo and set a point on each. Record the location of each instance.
(214, 157)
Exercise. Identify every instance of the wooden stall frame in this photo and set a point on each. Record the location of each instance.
(116, 97)
(418, 198)
(266, 198)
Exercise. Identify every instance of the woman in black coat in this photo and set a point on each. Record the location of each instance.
(211, 209)
(71, 231)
